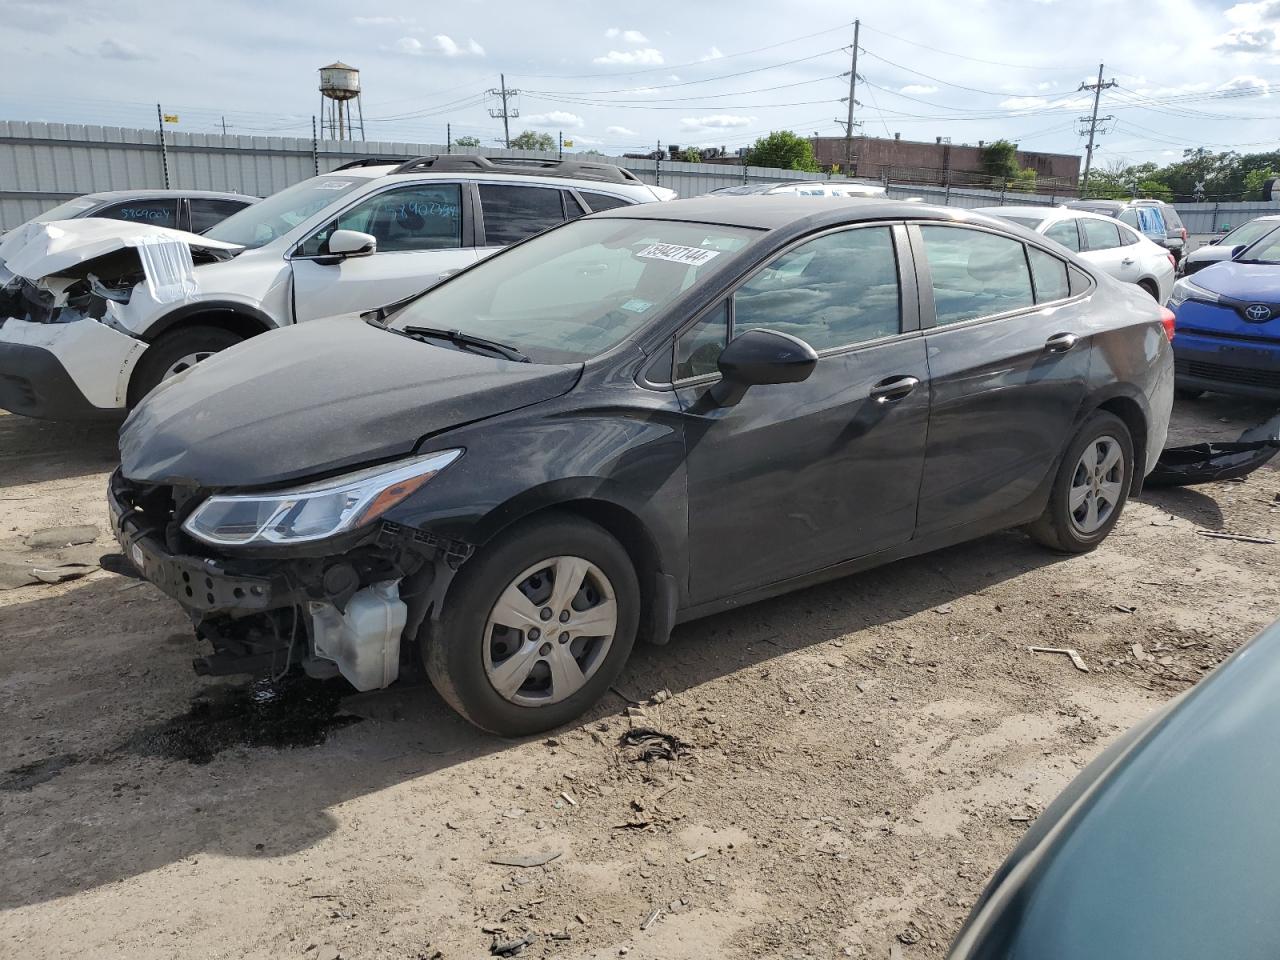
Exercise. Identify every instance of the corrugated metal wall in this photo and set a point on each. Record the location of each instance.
(42, 164)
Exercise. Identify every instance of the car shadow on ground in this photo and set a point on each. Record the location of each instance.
(1187, 503)
(33, 451)
(79, 776)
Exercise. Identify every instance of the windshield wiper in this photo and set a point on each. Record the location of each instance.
(467, 340)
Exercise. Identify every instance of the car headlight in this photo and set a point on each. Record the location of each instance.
(1184, 290)
(314, 511)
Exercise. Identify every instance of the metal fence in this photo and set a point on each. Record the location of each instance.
(42, 164)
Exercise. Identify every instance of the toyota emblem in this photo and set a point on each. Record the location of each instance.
(1257, 312)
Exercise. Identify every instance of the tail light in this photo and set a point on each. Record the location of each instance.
(1169, 321)
(1172, 262)
(1184, 234)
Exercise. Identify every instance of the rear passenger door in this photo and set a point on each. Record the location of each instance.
(799, 476)
(1104, 248)
(205, 212)
(1008, 353)
(511, 212)
(424, 235)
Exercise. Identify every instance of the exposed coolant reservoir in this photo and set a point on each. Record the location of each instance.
(364, 641)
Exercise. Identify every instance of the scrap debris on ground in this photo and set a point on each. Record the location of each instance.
(834, 773)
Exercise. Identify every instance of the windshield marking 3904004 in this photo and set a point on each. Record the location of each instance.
(576, 291)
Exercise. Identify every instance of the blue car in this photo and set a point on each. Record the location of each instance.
(1228, 322)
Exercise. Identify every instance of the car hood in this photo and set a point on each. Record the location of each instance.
(1210, 253)
(36, 250)
(310, 400)
(1242, 281)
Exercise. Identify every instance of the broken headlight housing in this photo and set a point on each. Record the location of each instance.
(315, 511)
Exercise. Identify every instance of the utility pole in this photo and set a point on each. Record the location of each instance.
(1093, 121)
(853, 85)
(224, 126)
(506, 114)
(448, 138)
(164, 147)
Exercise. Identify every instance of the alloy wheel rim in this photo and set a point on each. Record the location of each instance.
(1097, 485)
(186, 362)
(549, 631)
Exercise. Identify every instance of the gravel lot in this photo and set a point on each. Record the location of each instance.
(860, 756)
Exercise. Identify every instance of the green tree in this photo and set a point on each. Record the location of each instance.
(1024, 180)
(1255, 181)
(530, 140)
(467, 142)
(999, 160)
(691, 155)
(783, 150)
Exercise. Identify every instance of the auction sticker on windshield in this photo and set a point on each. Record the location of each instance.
(333, 184)
(674, 253)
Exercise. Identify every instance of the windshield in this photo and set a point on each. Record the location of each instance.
(744, 189)
(1249, 232)
(66, 211)
(281, 212)
(1030, 222)
(1266, 250)
(579, 290)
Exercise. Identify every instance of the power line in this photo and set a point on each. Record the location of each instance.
(506, 113)
(962, 56)
(1097, 89)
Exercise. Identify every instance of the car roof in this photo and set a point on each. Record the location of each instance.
(1051, 213)
(781, 210)
(162, 194)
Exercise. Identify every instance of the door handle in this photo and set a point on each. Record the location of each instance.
(1127, 262)
(1061, 342)
(893, 389)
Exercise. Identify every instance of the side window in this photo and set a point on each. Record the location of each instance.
(421, 217)
(1050, 276)
(1100, 234)
(206, 213)
(572, 208)
(1129, 217)
(1065, 232)
(513, 212)
(699, 347)
(158, 213)
(830, 292)
(602, 201)
(975, 274)
(1129, 237)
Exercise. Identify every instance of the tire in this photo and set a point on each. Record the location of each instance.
(465, 651)
(171, 349)
(1187, 393)
(1152, 290)
(1058, 527)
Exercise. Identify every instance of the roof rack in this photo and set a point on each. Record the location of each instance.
(528, 167)
(368, 162)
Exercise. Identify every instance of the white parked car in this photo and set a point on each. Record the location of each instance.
(95, 313)
(1104, 242)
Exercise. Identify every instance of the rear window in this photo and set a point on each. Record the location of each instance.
(513, 212)
(602, 201)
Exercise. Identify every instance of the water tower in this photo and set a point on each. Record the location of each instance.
(339, 89)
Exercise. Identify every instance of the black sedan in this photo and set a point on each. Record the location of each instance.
(1164, 847)
(636, 419)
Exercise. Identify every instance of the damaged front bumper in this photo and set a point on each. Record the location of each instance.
(65, 371)
(340, 608)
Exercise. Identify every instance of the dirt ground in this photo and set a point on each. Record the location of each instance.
(860, 756)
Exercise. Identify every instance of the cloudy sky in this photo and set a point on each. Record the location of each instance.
(620, 77)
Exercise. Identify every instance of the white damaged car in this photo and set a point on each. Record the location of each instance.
(95, 313)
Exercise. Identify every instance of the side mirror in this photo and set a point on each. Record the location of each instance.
(352, 243)
(760, 357)
(1237, 250)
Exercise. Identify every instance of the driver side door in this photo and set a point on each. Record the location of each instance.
(424, 234)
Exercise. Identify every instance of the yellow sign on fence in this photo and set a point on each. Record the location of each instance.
(170, 118)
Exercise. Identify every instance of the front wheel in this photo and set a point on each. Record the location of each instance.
(175, 352)
(1091, 487)
(535, 627)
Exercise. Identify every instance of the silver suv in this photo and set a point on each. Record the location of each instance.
(1154, 218)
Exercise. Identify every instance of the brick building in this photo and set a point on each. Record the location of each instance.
(909, 161)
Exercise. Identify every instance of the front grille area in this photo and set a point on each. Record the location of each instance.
(1224, 373)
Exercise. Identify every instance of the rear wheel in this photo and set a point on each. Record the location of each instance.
(175, 352)
(1151, 289)
(1091, 487)
(535, 627)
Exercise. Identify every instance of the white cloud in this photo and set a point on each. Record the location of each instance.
(1243, 40)
(630, 36)
(580, 140)
(381, 21)
(410, 45)
(719, 122)
(556, 119)
(451, 48)
(1253, 14)
(1023, 103)
(712, 54)
(1245, 83)
(621, 132)
(918, 88)
(647, 56)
